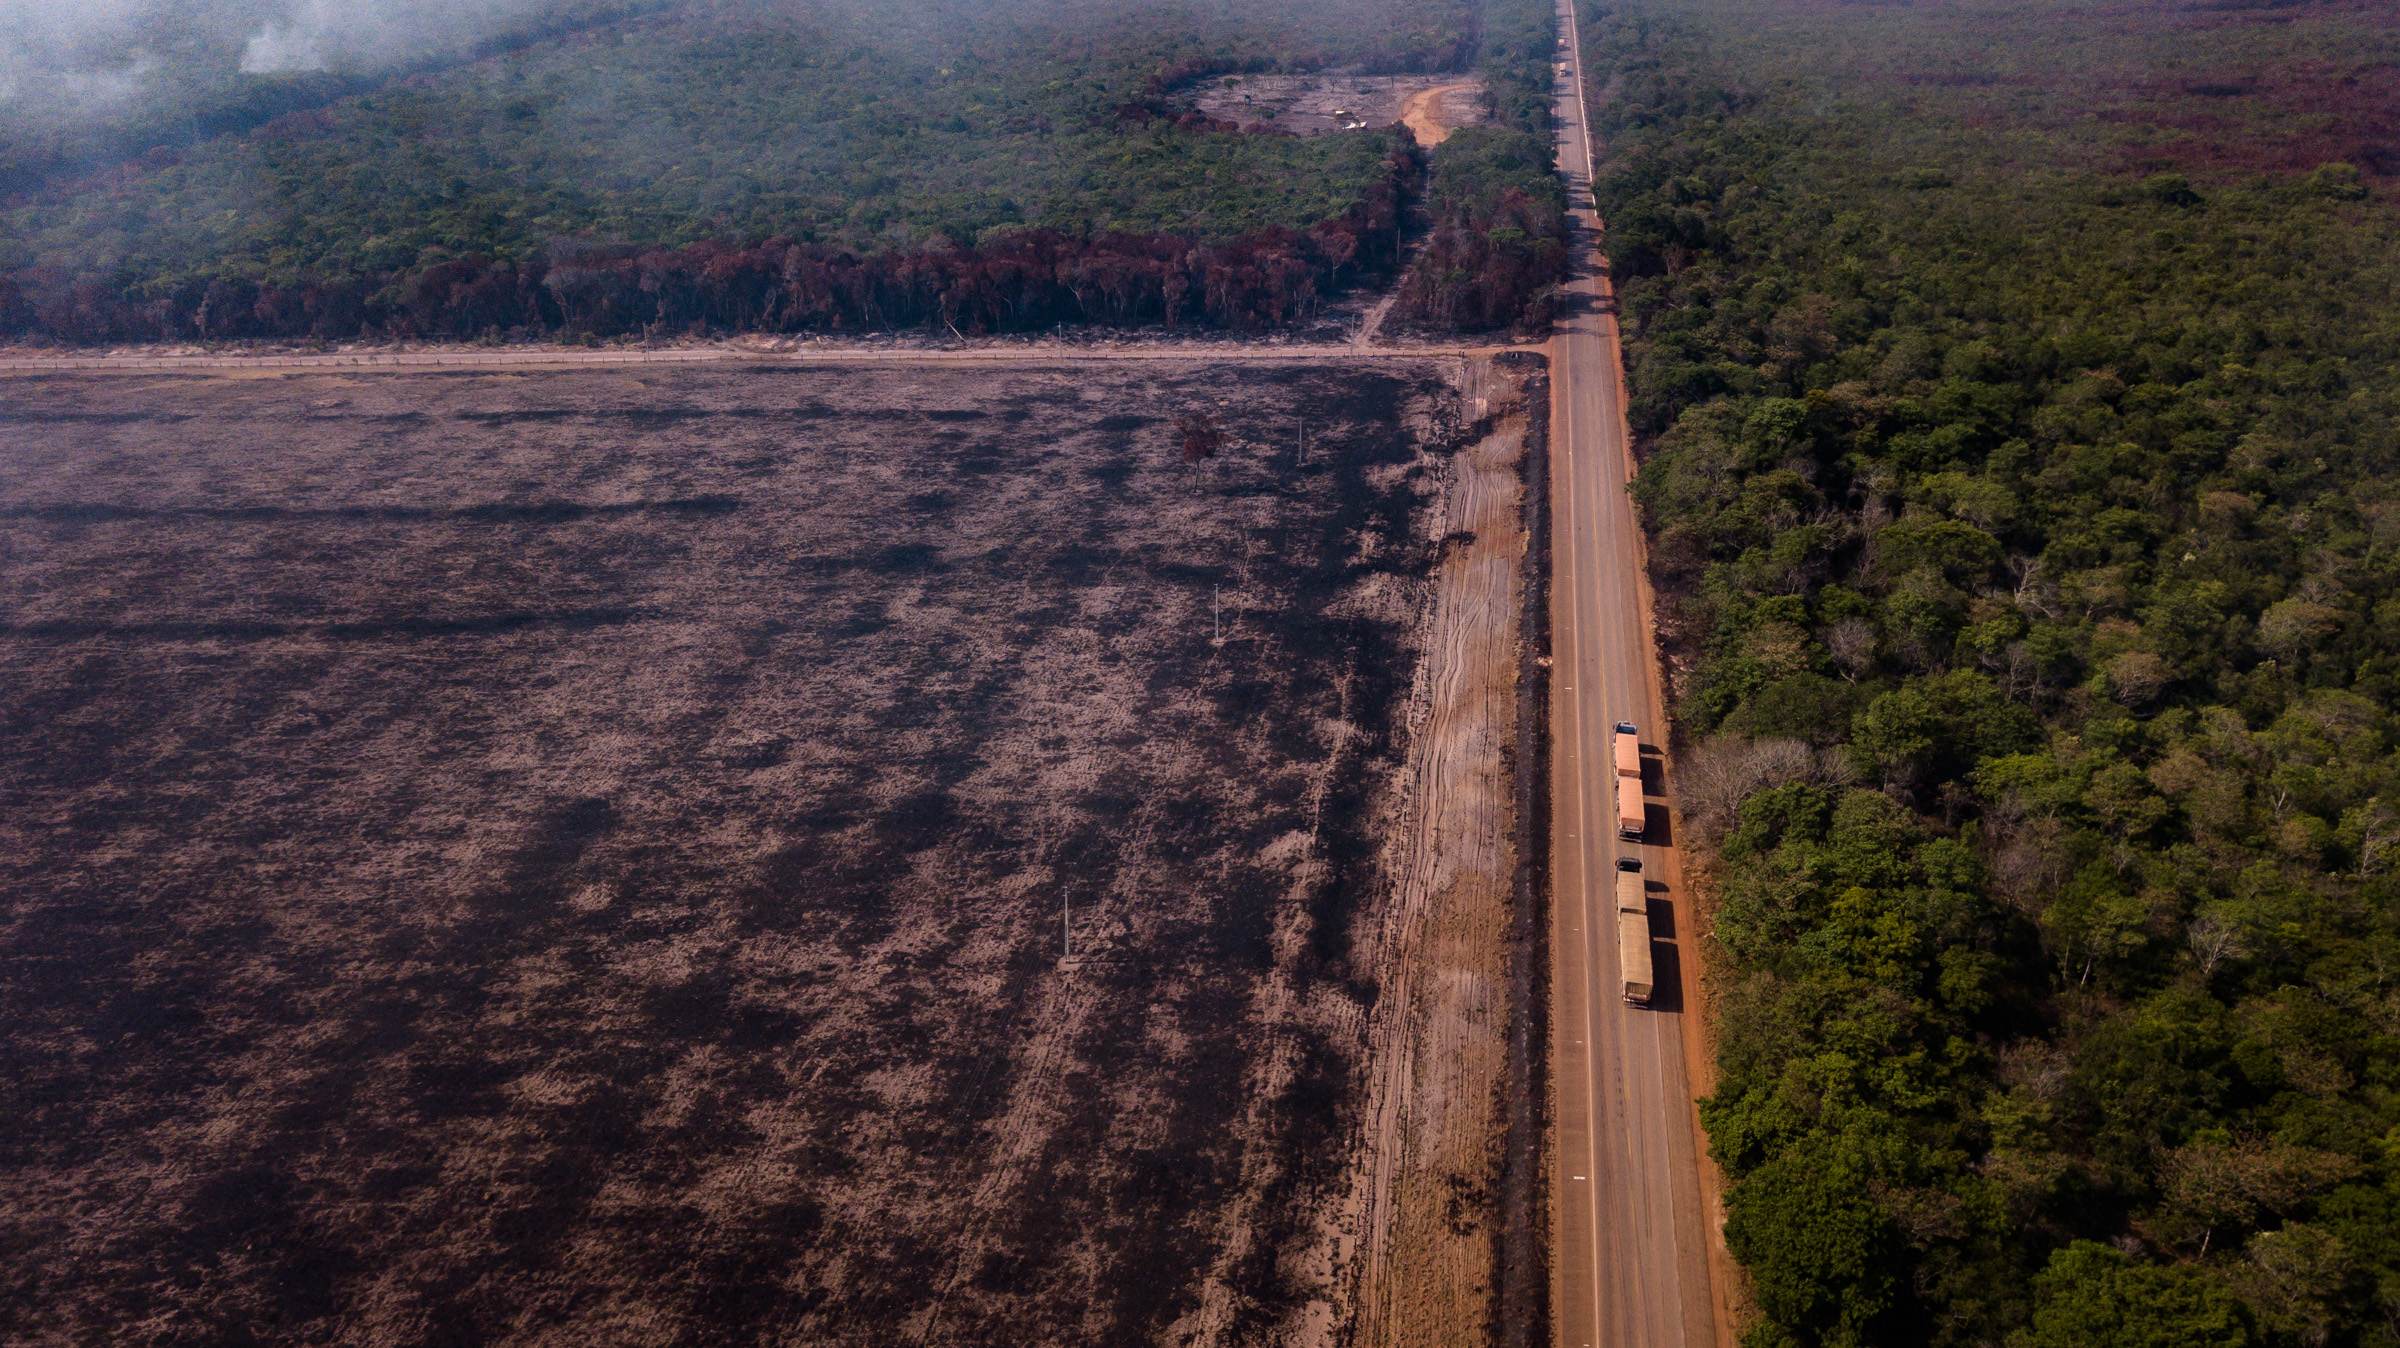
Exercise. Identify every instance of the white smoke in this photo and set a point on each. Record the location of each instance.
(47, 51)
(321, 34)
(282, 47)
(63, 58)
(113, 85)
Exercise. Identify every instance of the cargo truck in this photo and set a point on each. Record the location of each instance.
(1630, 817)
(1633, 931)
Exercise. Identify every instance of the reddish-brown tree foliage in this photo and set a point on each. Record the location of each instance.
(1491, 265)
(1202, 437)
(1026, 280)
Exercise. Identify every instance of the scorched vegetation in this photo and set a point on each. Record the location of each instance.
(719, 856)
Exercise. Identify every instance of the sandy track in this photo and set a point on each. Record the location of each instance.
(1371, 327)
(1434, 1126)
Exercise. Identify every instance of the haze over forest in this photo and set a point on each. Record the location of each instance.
(58, 61)
(1046, 159)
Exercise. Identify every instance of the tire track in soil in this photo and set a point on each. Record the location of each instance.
(1025, 1127)
(1433, 1128)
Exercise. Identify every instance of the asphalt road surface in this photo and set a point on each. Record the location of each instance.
(1630, 1241)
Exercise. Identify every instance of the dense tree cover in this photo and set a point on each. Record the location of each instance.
(2030, 552)
(808, 163)
(1498, 245)
(1012, 280)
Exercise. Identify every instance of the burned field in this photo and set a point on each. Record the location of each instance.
(585, 857)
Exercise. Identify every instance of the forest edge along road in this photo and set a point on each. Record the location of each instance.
(1637, 1237)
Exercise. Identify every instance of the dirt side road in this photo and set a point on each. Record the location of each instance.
(1638, 1247)
(1435, 1126)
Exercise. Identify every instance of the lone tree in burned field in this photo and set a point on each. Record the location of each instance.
(1199, 435)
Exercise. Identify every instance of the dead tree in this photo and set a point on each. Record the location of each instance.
(1202, 437)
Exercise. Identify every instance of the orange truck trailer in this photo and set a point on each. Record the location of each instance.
(1630, 818)
(1633, 931)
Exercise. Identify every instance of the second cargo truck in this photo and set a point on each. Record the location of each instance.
(1630, 813)
(1633, 931)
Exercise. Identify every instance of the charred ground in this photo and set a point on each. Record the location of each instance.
(580, 857)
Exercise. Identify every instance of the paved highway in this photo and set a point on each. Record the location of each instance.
(1631, 1234)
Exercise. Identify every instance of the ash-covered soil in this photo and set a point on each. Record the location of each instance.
(581, 858)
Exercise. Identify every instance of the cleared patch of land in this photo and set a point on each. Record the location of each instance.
(1314, 105)
(585, 856)
(1432, 114)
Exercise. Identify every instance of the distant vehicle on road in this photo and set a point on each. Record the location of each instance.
(1633, 930)
(1630, 817)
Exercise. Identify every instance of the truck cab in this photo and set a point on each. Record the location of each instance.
(1633, 895)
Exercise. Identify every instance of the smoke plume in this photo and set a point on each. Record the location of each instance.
(94, 57)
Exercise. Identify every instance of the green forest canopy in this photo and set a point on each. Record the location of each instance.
(827, 120)
(2018, 386)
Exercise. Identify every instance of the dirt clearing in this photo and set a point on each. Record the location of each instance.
(1432, 114)
(1315, 105)
(580, 857)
